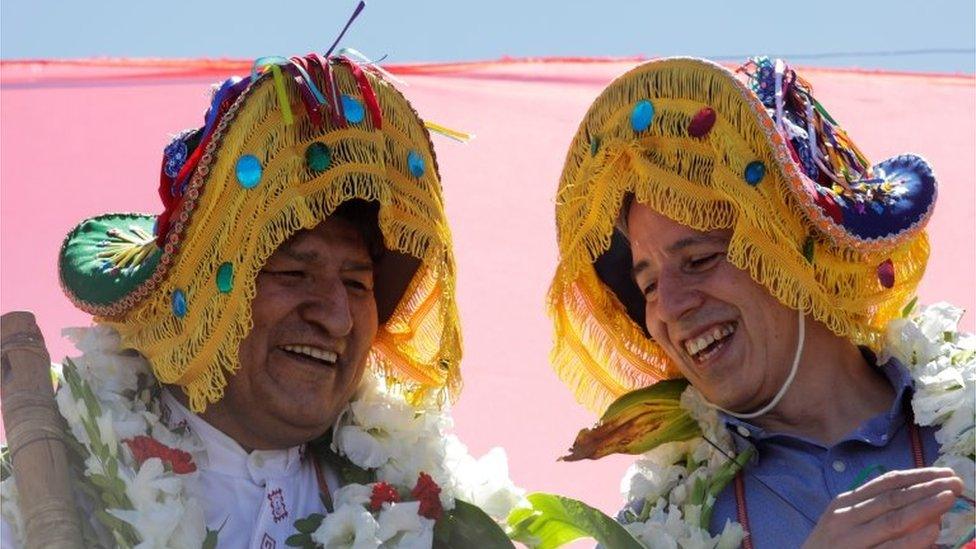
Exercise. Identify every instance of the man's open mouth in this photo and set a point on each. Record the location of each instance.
(309, 353)
(707, 344)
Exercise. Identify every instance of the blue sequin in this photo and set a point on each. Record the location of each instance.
(353, 109)
(179, 303)
(755, 172)
(248, 171)
(642, 115)
(415, 163)
(878, 208)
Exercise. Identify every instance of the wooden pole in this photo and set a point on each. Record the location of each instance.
(35, 436)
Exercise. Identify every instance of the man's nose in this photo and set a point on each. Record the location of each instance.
(328, 306)
(675, 296)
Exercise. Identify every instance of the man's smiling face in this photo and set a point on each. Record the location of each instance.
(314, 320)
(727, 335)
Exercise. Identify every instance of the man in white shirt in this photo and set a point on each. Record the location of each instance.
(303, 239)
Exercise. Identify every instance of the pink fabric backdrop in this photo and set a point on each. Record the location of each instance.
(84, 138)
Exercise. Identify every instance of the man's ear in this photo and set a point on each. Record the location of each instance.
(392, 274)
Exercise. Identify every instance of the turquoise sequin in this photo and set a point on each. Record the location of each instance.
(642, 115)
(416, 164)
(248, 171)
(353, 109)
(225, 277)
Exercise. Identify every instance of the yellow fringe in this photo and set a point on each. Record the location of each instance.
(599, 352)
(419, 349)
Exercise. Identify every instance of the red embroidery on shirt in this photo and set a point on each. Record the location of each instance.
(277, 503)
(267, 542)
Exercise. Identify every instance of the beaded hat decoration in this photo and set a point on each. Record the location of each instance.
(824, 230)
(280, 150)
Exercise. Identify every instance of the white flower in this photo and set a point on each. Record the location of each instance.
(192, 528)
(707, 417)
(353, 494)
(74, 411)
(485, 482)
(349, 527)
(647, 481)
(107, 431)
(10, 508)
(731, 536)
(151, 484)
(939, 318)
(154, 523)
(102, 363)
(401, 526)
(362, 448)
(906, 342)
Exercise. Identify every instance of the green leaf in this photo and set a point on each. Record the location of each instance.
(637, 422)
(697, 496)
(468, 526)
(721, 479)
(101, 481)
(909, 308)
(210, 541)
(554, 521)
(310, 523)
(667, 390)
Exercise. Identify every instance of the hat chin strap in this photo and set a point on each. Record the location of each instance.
(786, 384)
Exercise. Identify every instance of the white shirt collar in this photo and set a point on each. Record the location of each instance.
(225, 456)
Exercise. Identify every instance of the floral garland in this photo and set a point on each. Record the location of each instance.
(135, 468)
(404, 445)
(672, 488)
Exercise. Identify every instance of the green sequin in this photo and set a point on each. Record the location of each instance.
(225, 277)
(318, 157)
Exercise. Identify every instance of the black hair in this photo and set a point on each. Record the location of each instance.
(364, 215)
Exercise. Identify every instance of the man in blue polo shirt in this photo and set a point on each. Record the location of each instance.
(722, 228)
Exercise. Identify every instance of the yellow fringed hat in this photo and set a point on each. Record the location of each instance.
(278, 153)
(824, 230)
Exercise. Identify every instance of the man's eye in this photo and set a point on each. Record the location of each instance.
(285, 274)
(704, 261)
(358, 285)
(649, 289)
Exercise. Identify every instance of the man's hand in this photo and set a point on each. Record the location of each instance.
(898, 509)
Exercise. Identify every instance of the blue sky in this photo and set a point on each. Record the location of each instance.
(427, 30)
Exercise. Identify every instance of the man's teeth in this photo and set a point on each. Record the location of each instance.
(314, 352)
(697, 344)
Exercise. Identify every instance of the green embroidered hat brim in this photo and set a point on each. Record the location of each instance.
(105, 258)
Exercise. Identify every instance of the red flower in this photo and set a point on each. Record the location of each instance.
(382, 493)
(144, 447)
(427, 492)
